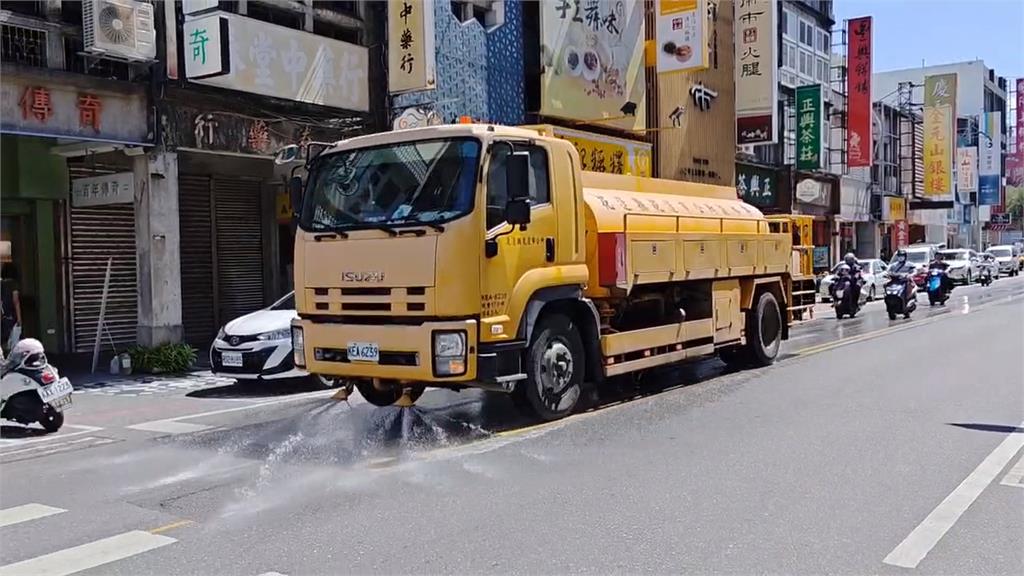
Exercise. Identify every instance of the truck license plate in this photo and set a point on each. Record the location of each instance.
(60, 388)
(363, 352)
(232, 359)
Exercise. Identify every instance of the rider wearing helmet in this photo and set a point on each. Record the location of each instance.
(899, 264)
(851, 261)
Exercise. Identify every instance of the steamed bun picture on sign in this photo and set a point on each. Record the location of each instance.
(593, 60)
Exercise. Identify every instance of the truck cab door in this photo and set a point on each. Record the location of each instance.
(516, 251)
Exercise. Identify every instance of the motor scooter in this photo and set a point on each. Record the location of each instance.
(938, 286)
(843, 300)
(900, 296)
(31, 390)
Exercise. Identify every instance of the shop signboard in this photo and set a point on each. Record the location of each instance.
(599, 153)
(894, 209)
(682, 29)
(200, 130)
(902, 234)
(593, 61)
(811, 191)
(966, 171)
(411, 61)
(821, 257)
(102, 190)
(756, 72)
(990, 156)
(809, 110)
(757, 185)
(939, 124)
(285, 63)
(73, 106)
(859, 140)
(206, 47)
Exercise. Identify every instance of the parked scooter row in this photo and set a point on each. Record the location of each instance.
(31, 389)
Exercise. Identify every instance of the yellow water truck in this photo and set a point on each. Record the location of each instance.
(482, 256)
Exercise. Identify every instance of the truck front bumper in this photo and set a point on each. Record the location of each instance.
(406, 353)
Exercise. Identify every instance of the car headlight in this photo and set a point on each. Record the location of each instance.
(298, 347)
(449, 353)
(221, 334)
(282, 334)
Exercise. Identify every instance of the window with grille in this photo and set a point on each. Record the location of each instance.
(24, 46)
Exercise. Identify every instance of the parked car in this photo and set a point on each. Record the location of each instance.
(258, 346)
(873, 272)
(1008, 258)
(963, 264)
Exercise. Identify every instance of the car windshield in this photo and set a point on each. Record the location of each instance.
(424, 182)
(917, 256)
(1000, 252)
(286, 303)
(947, 255)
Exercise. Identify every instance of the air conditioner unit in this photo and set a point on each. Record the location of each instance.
(119, 29)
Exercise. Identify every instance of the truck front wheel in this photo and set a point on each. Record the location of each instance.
(764, 330)
(554, 369)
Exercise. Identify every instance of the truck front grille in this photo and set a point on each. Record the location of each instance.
(371, 300)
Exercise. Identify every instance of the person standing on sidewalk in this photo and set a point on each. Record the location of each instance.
(10, 304)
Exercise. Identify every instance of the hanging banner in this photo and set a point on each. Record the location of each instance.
(859, 140)
(757, 80)
(681, 35)
(939, 124)
(966, 171)
(411, 62)
(592, 55)
(990, 173)
(809, 109)
(901, 235)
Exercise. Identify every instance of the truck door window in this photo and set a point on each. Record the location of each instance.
(497, 195)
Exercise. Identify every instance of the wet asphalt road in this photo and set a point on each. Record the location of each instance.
(829, 461)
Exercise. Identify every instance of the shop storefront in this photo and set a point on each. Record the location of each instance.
(856, 227)
(58, 129)
(818, 196)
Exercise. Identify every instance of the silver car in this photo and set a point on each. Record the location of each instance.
(873, 272)
(1007, 257)
(963, 264)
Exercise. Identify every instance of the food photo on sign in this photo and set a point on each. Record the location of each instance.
(593, 60)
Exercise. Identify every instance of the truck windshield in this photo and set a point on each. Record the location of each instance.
(424, 182)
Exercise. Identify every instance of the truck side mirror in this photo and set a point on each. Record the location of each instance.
(295, 193)
(517, 183)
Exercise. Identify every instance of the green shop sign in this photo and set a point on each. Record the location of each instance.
(809, 111)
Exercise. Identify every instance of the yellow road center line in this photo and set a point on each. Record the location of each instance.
(170, 526)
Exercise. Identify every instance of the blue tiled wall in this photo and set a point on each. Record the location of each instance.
(479, 73)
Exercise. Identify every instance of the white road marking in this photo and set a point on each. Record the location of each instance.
(169, 427)
(1015, 477)
(91, 555)
(916, 546)
(22, 441)
(168, 424)
(26, 512)
(272, 574)
(48, 448)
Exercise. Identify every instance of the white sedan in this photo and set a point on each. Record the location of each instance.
(258, 346)
(963, 264)
(873, 272)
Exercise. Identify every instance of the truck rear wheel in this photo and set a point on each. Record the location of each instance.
(764, 330)
(554, 369)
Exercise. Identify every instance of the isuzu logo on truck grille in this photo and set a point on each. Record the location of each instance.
(362, 276)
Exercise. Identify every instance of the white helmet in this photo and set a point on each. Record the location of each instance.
(27, 353)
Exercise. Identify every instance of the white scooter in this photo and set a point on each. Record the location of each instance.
(31, 390)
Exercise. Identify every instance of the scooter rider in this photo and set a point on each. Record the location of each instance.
(851, 261)
(937, 263)
(899, 264)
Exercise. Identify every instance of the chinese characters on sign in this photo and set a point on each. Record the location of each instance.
(682, 35)
(205, 55)
(859, 140)
(99, 190)
(756, 186)
(990, 174)
(37, 103)
(939, 122)
(702, 96)
(410, 45)
(966, 172)
(809, 109)
(756, 72)
(593, 62)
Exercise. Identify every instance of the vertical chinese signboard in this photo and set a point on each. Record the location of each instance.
(966, 172)
(939, 118)
(206, 47)
(990, 169)
(859, 139)
(756, 71)
(593, 59)
(1015, 162)
(809, 108)
(681, 30)
(411, 62)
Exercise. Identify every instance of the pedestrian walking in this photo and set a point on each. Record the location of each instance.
(10, 306)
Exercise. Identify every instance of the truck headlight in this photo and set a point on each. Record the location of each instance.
(298, 346)
(449, 353)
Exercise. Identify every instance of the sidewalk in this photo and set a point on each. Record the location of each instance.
(105, 384)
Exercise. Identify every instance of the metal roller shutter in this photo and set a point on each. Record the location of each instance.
(195, 219)
(239, 247)
(96, 234)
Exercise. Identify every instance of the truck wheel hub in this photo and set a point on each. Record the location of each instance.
(556, 367)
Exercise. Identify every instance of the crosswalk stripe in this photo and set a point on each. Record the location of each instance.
(26, 512)
(91, 555)
(169, 427)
